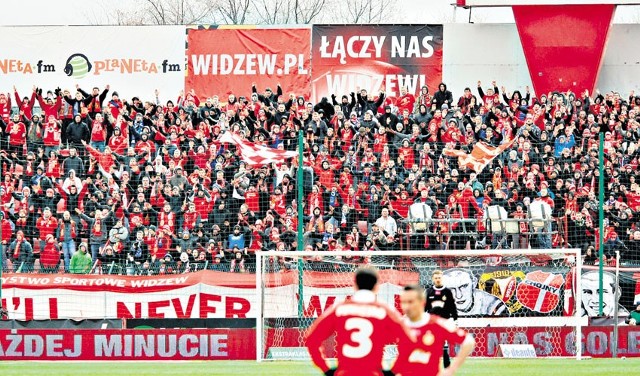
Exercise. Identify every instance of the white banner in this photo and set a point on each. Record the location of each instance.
(134, 60)
(197, 301)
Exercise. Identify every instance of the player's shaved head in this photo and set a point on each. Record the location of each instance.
(366, 278)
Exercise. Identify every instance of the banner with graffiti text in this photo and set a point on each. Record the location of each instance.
(229, 61)
(204, 294)
(480, 290)
(133, 60)
(375, 58)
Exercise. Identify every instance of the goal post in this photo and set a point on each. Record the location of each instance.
(521, 296)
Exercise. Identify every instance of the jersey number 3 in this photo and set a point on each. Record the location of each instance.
(361, 330)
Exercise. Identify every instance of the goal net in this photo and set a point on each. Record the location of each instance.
(514, 297)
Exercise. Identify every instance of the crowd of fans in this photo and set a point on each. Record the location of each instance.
(146, 187)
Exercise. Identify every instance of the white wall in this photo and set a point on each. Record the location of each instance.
(621, 65)
(484, 52)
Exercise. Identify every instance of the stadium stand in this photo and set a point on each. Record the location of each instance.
(94, 183)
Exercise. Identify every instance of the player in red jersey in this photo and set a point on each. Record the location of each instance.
(431, 332)
(363, 327)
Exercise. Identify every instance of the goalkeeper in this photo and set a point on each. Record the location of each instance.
(440, 302)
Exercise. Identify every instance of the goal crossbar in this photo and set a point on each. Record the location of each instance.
(453, 253)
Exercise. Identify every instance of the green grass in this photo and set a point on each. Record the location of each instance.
(489, 367)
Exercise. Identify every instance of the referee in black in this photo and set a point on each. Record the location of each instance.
(440, 302)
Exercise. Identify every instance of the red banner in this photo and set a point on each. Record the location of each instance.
(113, 345)
(239, 344)
(226, 61)
(376, 57)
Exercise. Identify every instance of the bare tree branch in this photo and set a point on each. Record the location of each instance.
(234, 11)
(266, 12)
(283, 12)
(364, 11)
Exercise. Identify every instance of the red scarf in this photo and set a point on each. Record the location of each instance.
(16, 253)
(97, 228)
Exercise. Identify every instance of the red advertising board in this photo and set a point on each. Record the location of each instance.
(239, 344)
(113, 345)
(226, 61)
(375, 57)
(560, 341)
(596, 341)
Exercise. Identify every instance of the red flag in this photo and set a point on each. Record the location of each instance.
(256, 155)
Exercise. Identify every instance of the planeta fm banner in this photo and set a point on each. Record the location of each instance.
(133, 60)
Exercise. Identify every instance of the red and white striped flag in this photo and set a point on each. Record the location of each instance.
(256, 155)
(481, 155)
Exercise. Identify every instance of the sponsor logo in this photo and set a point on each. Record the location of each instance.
(77, 66)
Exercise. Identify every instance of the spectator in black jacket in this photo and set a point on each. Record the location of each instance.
(346, 106)
(73, 162)
(94, 100)
(269, 98)
(77, 132)
(367, 103)
(442, 96)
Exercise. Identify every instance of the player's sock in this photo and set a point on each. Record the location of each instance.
(446, 360)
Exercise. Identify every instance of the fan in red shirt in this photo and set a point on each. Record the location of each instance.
(17, 135)
(431, 331)
(363, 327)
(406, 101)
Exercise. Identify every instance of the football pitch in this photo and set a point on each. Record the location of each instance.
(492, 367)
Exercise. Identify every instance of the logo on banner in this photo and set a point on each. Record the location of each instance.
(502, 284)
(77, 66)
(540, 291)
